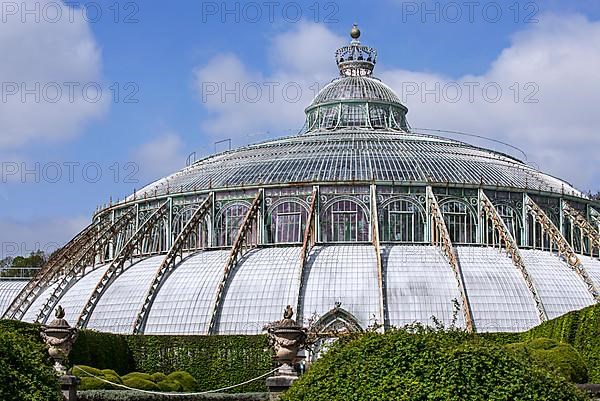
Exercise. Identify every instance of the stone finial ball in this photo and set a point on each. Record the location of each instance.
(355, 32)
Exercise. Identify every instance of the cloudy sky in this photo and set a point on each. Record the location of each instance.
(98, 99)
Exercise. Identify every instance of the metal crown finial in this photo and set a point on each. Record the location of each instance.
(355, 60)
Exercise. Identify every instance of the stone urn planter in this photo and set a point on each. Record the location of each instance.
(286, 338)
(59, 337)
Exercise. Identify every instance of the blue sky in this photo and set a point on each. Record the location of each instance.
(162, 55)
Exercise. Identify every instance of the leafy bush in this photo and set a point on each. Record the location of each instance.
(91, 383)
(425, 365)
(559, 358)
(170, 386)
(25, 374)
(103, 351)
(186, 380)
(141, 384)
(158, 377)
(581, 329)
(137, 375)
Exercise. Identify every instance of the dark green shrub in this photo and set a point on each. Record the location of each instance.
(103, 351)
(137, 375)
(25, 374)
(158, 377)
(170, 386)
(187, 381)
(141, 384)
(559, 358)
(77, 371)
(581, 329)
(425, 365)
(91, 383)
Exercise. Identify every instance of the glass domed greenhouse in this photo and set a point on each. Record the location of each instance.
(358, 220)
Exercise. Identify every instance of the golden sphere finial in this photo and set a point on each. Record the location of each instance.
(355, 32)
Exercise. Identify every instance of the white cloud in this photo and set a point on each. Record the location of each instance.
(19, 237)
(560, 56)
(267, 102)
(160, 156)
(52, 55)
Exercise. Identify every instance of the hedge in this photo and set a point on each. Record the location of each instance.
(426, 365)
(103, 351)
(581, 329)
(111, 395)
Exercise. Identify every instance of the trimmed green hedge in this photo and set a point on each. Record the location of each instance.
(103, 351)
(214, 361)
(426, 365)
(108, 395)
(581, 329)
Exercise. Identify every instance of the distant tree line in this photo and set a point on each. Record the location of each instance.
(9, 266)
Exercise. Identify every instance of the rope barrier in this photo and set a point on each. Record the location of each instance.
(175, 394)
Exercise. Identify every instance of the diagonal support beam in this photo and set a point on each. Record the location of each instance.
(308, 242)
(564, 249)
(76, 265)
(117, 265)
(441, 237)
(512, 249)
(377, 245)
(48, 272)
(584, 225)
(170, 262)
(236, 250)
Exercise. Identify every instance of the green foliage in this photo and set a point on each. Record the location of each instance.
(107, 395)
(185, 379)
(91, 383)
(87, 369)
(559, 358)
(141, 384)
(25, 374)
(137, 375)
(170, 386)
(158, 377)
(425, 365)
(214, 361)
(581, 329)
(103, 351)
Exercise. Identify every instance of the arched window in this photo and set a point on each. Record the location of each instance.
(344, 221)
(198, 238)
(460, 221)
(512, 219)
(229, 222)
(286, 222)
(402, 221)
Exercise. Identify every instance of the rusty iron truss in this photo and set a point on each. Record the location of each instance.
(585, 227)
(50, 269)
(377, 245)
(562, 245)
(117, 266)
(79, 262)
(512, 249)
(308, 241)
(237, 248)
(441, 237)
(169, 263)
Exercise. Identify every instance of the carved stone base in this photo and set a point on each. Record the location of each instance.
(283, 379)
(68, 386)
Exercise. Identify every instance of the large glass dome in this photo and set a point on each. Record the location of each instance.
(355, 221)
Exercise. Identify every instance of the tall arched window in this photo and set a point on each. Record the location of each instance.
(286, 222)
(461, 222)
(402, 221)
(198, 238)
(229, 222)
(344, 221)
(512, 219)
